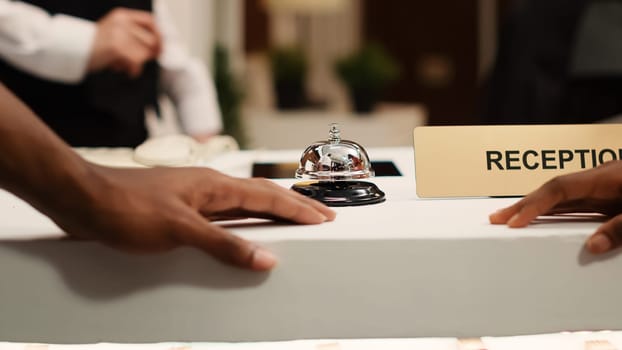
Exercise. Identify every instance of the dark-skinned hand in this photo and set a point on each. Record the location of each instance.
(597, 190)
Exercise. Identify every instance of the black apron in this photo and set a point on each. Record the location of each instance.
(105, 109)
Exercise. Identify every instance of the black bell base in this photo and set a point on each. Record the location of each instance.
(341, 193)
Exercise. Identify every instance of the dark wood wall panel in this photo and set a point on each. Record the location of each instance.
(256, 27)
(435, 43)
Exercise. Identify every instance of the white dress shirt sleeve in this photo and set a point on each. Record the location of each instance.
(54, 47)
(186, 81)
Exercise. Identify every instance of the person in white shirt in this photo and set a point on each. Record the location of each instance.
(91, 69)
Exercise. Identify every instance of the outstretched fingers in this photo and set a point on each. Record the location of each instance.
(607, 237)
(589, 190)
(225, 246)
(552, 194)
(268, 199)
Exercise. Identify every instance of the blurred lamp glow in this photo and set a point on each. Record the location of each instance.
(306, 6)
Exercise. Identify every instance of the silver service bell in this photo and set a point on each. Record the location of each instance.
(334, 169)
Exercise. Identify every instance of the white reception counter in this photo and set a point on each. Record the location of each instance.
(404, 268)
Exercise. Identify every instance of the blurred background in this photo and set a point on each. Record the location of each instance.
(286, 68)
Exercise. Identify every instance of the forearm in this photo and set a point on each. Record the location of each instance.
(144, 210)
(35, 164)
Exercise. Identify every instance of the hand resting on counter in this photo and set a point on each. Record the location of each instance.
(597, 190)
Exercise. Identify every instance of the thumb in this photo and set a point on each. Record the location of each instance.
(607, 237)
(227, 247)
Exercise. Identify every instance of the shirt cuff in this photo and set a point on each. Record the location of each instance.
(192, 90)
(199, 116)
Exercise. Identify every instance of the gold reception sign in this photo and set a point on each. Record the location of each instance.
(474, 161)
